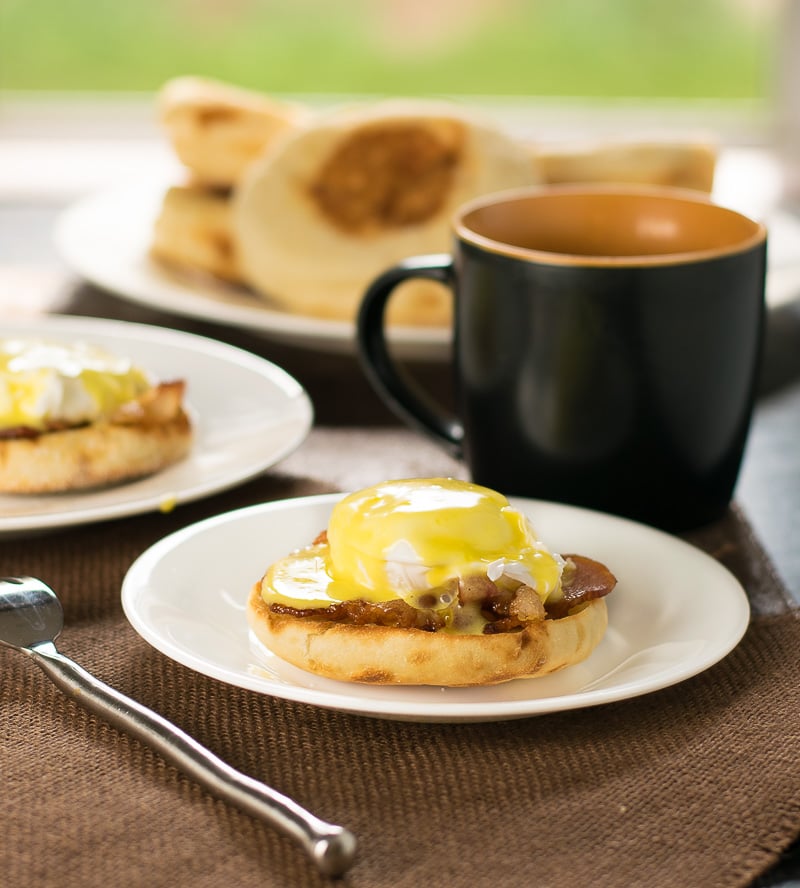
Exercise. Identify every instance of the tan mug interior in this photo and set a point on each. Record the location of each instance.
(605, 226)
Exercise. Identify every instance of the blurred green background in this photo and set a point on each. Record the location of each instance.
(647, 48)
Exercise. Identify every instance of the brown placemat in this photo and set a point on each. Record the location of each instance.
(693, 785)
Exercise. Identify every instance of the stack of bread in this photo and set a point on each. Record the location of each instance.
(305, 208)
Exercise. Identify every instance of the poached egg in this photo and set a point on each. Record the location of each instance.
(45, 385)
(407, 539)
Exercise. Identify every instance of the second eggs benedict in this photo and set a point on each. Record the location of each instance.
(73, 415)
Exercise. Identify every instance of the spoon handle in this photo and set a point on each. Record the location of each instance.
(331, 847)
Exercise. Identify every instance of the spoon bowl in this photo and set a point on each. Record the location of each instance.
(30, 613)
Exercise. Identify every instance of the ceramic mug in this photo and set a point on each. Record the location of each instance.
(606, 347)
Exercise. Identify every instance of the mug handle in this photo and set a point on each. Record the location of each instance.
(401, 394)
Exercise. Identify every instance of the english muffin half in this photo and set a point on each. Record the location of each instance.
(217, 130)
(334, 204)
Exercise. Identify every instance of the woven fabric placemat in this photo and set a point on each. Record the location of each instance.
(695, 785)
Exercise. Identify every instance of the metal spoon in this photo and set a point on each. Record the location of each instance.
(31, 619)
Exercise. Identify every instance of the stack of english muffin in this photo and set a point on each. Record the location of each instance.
(306, 208)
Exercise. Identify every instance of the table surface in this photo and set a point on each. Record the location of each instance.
(33, 280)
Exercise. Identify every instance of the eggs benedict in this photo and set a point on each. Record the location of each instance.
(73, 416)
(430, 581)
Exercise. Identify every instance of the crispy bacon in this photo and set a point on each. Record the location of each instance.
(395, 613)
(582, 580)
(504, 609)
(18, 432)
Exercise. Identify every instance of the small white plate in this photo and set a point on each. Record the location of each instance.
(248, 414)
(106, 238)
(674, 613)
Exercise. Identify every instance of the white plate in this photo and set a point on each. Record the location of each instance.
(106, 238)
(674, 613)
(248, 414)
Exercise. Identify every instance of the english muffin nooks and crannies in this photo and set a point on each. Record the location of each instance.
(430, 582)
(218, 130)
(334, 204)
(74, 416)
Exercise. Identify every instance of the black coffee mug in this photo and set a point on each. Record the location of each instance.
(606, 347)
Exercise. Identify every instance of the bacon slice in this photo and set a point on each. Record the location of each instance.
(12, 432)
(395, 613)
(582, 580)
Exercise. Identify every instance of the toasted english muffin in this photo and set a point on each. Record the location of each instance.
(386, 655)
(95, 455)
(678, 165)
(193, 232)
(334, 204)
(217, 130)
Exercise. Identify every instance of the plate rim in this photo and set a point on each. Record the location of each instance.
(163, 337)
(348, 702)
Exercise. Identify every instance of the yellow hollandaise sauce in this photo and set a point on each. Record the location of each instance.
(401, 539)
(43, 384)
